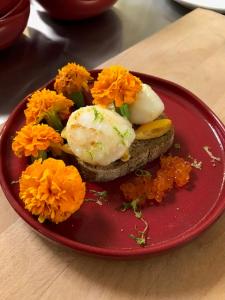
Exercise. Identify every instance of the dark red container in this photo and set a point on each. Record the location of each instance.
(6, 6)
(20, 6)
(75, 9)
(12, 27)
(182, 216)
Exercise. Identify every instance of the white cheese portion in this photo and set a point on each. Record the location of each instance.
(147, 106)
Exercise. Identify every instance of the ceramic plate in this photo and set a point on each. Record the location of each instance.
(216, 5)
(103, 229)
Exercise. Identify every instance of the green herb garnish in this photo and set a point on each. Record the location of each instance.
(90, 154)
(118, 132)
(97, 201)
(132, 205)
(122, 135)
(125, 206)
(100, 194)
(138, 214)
(126, 133)
(98, 116)
(141, 238)
(99, 145)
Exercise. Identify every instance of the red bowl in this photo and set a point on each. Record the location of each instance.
(11, 28)
(19, 7)
(7, 5)
(104, 230)
(75, 9)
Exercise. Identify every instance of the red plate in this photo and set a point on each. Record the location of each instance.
(185, 213)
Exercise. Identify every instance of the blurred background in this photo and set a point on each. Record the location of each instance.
(47, 44)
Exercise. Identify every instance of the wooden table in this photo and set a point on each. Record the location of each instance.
(190, 52)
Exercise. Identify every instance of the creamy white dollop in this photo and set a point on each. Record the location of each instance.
(147, 106)
(97, 135)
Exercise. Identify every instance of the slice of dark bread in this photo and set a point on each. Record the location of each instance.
(141, 152)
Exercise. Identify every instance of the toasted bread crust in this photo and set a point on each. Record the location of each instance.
(141, 152)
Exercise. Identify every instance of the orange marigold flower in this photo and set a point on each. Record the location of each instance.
(71, 78)
(51, 190)
(46, 102)
(115, 84)
(34, 138)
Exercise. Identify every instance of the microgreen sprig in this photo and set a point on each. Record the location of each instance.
(132, 205)
(98, 116)
(141, 238)
(101, 196)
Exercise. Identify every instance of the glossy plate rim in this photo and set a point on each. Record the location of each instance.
(181, 239)
(190, 4)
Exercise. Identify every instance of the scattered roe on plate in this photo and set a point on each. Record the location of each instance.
(51, 190)
(174, 172)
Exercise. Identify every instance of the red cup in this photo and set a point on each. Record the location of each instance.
(7, 5)
(19, 7)
(12, 27)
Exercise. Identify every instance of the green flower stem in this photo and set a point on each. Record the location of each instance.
(78, 99)
(41, 154)
(53, 120)
(124, 111)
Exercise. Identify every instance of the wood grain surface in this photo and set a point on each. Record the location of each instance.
(190, 52)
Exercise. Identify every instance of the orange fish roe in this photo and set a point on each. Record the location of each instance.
(174, 172)
(136, 188)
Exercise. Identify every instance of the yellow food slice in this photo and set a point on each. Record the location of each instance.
(66, 148)
(126, 156)
(153, 129)
(63, 133)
